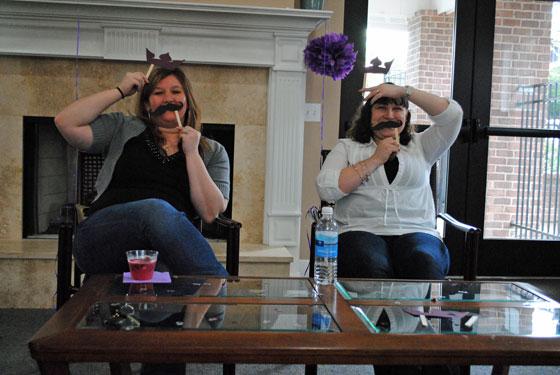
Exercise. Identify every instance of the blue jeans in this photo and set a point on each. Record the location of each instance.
(409, 256)
(102, 240)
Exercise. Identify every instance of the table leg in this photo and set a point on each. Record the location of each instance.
(500, 370)
(53, 368)
(120, 368)
(310, 369)
(229, 369)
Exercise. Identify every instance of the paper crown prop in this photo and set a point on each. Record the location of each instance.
(376, 67)
(164, 61)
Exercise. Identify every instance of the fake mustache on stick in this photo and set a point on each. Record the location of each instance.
(387, 124)
(166, 107)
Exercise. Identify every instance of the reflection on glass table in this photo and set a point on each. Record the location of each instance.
(197, 316)
(516, 321)
(233, 287)
(449, 291)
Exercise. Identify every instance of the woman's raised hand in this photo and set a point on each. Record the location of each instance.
(385, 148)
(132, 83)
(190, 138)
(384, 90)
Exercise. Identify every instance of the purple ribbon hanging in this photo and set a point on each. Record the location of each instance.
(323, 93)
(77, 48)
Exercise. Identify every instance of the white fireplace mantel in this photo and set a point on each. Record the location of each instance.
(201, 34)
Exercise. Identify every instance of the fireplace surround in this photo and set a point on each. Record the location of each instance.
(203, 34)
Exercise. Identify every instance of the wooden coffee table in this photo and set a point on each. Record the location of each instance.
(293, 321)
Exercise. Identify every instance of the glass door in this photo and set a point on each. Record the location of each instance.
(504, 171)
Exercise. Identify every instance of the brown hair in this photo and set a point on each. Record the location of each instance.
(193, 114)
(362, 131)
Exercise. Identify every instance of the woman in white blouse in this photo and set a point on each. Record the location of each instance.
(379, 180)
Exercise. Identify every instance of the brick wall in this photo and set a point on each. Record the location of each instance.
(430, 55)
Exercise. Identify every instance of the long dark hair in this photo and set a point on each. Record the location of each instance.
(362, 131)
(193, 114)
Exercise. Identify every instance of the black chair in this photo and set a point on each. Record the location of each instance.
(472, 234)
(88, 166)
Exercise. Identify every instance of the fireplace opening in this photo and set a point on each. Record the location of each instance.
(49, 167)
(48, 176)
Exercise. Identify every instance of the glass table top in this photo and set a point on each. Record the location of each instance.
(510, 321)
(196, 316)
(446, 291)
(202, 287)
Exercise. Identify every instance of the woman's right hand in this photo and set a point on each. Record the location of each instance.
(385, 148)
(132, 83)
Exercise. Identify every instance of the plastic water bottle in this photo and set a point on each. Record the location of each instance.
(326, 247)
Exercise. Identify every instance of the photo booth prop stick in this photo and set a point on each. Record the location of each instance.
(164, 61)
(149, 70)
(178, 118)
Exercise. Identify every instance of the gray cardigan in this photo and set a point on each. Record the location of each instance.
(112, 131)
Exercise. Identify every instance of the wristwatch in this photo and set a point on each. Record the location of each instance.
(408, 92)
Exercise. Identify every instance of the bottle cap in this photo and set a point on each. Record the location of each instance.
(327, 210)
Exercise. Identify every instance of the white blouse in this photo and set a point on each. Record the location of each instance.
(404, 206)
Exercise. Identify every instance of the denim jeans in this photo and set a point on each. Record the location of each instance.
(102, 239)
(409, 256)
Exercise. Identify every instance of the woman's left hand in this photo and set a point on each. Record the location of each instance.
(384, 90)
(190, 138)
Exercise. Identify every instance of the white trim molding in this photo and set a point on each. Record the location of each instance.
(200, 34)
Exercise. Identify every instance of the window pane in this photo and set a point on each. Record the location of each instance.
(522, 180)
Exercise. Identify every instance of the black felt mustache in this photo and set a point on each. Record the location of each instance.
(387, 124)
(166, 107)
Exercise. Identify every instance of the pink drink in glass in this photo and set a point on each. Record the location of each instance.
(142, 264)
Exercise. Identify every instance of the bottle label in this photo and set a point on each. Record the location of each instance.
(326, 244)
(321, 321)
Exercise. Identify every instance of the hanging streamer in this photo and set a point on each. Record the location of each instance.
(323, 86)
(77, 47)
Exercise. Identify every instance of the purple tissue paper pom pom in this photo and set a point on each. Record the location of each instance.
(330, 55)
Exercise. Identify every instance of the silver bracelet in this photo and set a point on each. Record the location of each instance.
(408, 92)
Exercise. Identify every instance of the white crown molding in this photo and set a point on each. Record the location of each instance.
(201, 34)
(122, 29)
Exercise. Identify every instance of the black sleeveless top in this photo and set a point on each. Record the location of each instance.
(142, 172)
(391, 168)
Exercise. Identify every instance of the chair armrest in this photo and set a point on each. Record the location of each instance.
(472, 237)
(68, 215)
(227, 223)
(457, 224)
(232, 248)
